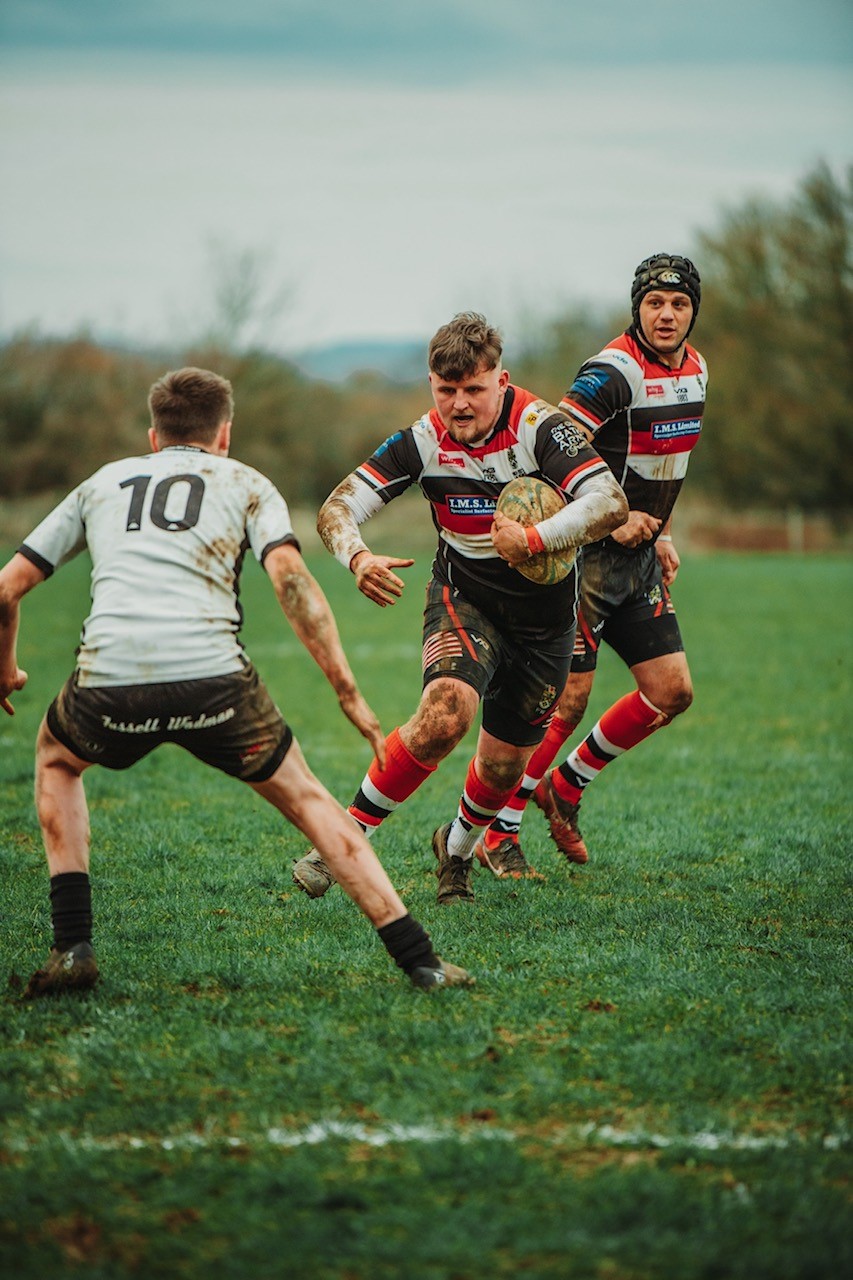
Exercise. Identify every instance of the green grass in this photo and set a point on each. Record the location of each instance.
(649, 1080)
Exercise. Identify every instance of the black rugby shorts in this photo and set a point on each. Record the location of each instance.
(229, 722)
(519, 683)
(624, 602)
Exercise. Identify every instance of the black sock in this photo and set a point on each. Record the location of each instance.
(408, 944)
(71, 909)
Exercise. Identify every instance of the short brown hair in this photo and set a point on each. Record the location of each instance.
(464, 344)
(190, 404)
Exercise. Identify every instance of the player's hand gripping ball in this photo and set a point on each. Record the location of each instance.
(529, 500)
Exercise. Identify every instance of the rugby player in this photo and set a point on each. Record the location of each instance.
(641, 401)
(489, 634)
(160, 661)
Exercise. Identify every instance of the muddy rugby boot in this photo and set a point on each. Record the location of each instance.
(506, 859)
(312, 876)
(562, 821)
(428, 978)
(73, 970)
(454, 874)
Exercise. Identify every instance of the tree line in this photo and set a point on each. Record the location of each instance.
(776, 327)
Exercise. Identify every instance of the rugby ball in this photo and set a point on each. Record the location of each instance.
(529, 500)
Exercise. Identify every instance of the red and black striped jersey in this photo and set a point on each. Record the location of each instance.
(462, 484)
(644, 416)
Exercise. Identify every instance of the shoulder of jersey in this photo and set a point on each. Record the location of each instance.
(530, 410)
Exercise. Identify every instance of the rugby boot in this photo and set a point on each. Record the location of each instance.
(562, 821)
(454, 874)
(427, 978)
(312, 876)
(73, 970)
(505, 859)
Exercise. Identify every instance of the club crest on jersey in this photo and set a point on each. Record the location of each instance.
(471, 505)
(450, 460)
(513, 462)
(568, 438)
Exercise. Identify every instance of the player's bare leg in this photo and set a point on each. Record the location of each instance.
(64, 818)
(666, 682)
(303, 800)
(444, 715)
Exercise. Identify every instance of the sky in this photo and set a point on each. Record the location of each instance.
(365, 171)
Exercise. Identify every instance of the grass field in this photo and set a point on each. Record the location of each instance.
(648, 1082)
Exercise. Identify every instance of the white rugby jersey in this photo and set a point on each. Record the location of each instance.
(167, 533)
(645, 418)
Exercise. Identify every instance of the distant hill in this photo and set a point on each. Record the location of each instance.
(400, 361)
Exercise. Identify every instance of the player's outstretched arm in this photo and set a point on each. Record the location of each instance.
(309, 613)
(16, 578)
(348, 505)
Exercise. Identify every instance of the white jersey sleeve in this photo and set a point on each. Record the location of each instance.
(167, 533)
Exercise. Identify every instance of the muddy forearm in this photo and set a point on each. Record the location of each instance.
(338, 520)
(308, 612)
(600, 508)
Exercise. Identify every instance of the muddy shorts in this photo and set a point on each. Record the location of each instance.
(518, 681)
(229, 722)
(623, 601)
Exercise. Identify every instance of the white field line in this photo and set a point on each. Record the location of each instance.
(588, 1135)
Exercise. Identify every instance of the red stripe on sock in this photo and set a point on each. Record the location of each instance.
(488, 801)
(564, 789)
(629, 721)
(403, 774)
(557, 733)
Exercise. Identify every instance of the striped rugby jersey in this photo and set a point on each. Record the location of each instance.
(462, 484)
(645, 419)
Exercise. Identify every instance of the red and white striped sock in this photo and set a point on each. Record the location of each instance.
(628, 722)
(478, 805)
(383, 790)
(508, 822)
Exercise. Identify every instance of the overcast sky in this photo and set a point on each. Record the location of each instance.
(389, 164)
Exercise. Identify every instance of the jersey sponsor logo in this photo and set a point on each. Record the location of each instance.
(471, 505)
(533, 413)
(673, 430)
(568, 439)
(590, 383)
(654, 389)
(398, 435)
(450, 460)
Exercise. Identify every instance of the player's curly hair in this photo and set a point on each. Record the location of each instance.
(463, 345)
(190, 404)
